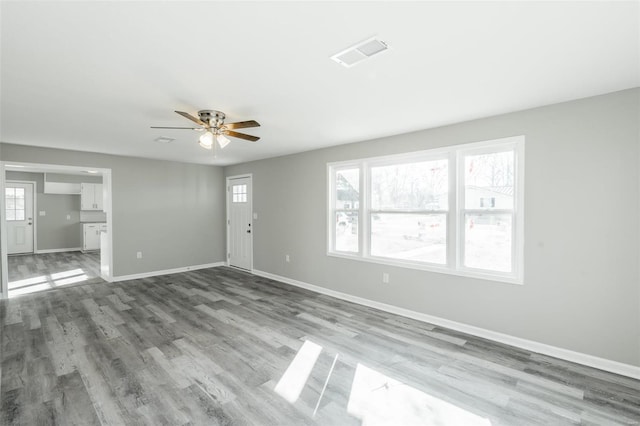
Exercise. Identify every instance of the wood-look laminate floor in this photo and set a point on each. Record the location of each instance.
(31, 273)
(219, 346)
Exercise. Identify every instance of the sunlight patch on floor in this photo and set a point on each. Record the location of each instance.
(46, 282)
(30, 289)
(377, 399)
(27, 282)
(293, 380)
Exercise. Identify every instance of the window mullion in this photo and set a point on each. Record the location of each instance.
(459, 215)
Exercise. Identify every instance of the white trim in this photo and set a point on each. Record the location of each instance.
(530, 345)
(4, 269)
(58, 250)
(165, 272)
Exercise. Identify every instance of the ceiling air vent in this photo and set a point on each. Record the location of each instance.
(163, 139)
(359, 52)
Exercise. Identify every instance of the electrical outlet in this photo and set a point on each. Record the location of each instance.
(139, 255)
(385, 278)
(287, 258)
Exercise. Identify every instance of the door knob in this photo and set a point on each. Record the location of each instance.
(248, 231)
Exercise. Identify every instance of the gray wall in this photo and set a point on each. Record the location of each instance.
(581, 289)
(54, 230)
(173, 212)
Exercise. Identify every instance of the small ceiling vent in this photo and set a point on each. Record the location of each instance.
(163, 139)
(359, 52)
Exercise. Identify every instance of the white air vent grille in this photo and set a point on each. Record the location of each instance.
(359, 52)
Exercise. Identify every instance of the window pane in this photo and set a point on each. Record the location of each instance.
(413, 186)
(489, 180)
(348, 189)
(414, 237)
(9, 192)
(347, 231)
(20, 203)
(488, 242)
(11, 203)
(19, 192)
(19, 214)
(11, 215)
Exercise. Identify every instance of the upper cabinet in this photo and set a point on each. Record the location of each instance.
(91, 196)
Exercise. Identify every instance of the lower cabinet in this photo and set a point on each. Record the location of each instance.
(91, 235)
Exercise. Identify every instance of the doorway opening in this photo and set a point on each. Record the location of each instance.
(55, 226)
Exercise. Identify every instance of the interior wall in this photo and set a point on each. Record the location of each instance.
(172, 212)
(581, 282)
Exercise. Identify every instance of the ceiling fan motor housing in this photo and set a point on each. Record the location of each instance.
(211, 117)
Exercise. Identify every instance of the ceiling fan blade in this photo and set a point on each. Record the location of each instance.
(188, 128)
(191, 117)
(241, 135)
(242, 124)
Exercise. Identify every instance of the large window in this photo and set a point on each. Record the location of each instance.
(455, 210)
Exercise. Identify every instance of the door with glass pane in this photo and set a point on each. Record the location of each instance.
(18, 202)
(240, 234)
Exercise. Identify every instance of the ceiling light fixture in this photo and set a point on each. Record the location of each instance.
(222, 140)
(206, 140)
(360, 51)
(212, 124)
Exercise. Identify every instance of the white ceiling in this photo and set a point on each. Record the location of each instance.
(93, 76)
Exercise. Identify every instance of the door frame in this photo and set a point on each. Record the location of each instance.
(34, 206)
(228, 205)
(106, 259)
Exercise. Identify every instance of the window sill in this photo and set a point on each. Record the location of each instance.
(487, 276)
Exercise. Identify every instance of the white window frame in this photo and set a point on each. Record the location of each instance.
(337, 167)
(454, 216)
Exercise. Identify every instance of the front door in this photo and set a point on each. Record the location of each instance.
(240, 234)
(18, 202)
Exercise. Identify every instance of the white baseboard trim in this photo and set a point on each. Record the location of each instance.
(60, 250)
(530, 345)
(165, 272)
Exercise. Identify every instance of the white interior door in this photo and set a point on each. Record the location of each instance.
(18, 198)
(239, 221)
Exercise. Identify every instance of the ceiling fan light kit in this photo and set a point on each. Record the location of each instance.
(215, 129)
(206, 140)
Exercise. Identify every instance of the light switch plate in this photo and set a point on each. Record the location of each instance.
(42, 213)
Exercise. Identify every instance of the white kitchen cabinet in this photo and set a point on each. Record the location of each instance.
(91, 196)
(91, 235)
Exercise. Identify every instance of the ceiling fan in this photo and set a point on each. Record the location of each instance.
(212, 123)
